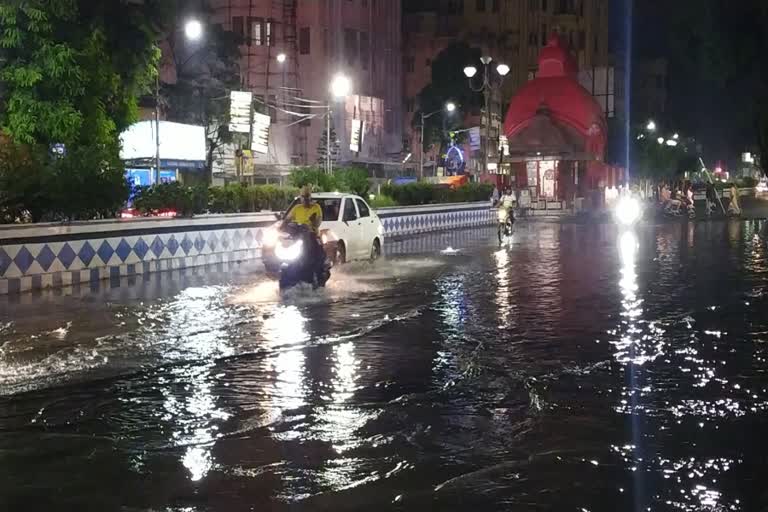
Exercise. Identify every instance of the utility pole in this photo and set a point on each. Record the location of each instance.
(157, 127)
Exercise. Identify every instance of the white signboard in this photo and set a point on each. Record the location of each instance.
(355, 137)
(177, 142)
(240, 111)
(260, 141)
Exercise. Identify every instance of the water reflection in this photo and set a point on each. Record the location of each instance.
(503, 294)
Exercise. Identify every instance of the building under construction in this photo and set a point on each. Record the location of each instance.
(290, 51)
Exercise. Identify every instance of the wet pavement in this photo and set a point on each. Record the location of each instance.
(576, 368)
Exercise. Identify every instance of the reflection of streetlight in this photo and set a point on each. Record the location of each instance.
(486, 87)
(449, 107)
(651, 126)
(281, 58)
(193, 29)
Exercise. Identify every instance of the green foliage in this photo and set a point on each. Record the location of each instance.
(353, 179)
(315, 177)
(231, 198)
(87, 183)
(382, 201)
(427, 193)
(72, 71)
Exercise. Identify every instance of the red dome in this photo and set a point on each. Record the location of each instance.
(557, 91)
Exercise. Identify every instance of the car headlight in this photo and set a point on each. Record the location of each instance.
(289, 253)
(271, 236)
(503, 214)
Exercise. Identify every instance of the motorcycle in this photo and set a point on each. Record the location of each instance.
(293, 255)
(506, 223)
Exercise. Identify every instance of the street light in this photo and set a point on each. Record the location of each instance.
(340, 87)
(281, 57)
(486, 88)
(193, 29)
(449, 107)
(660, 140)
(651, 126)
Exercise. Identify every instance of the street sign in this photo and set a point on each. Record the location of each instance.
(260, 141)
(356, 136)
(240, 111)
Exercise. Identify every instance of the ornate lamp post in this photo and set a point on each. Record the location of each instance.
(487, 86)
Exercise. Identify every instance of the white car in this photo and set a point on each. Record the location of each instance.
(350, 230)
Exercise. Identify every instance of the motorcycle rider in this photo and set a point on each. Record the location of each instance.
(507, 202)
(309, 213)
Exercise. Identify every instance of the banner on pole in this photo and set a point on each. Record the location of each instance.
(240, 111)
(260, 140)
(474, 138)
(355, 139)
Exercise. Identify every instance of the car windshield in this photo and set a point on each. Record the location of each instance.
(330, 207)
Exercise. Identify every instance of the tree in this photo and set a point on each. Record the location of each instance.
(448, 84)
(205, 75)
(322, 146)
(72, 73)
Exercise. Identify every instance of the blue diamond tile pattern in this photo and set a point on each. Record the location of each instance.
(46, 257)
(5, 261)
(225, 240)
(248, 237)
(157, 246)
(140, 248)
(86, 253)
(213, 242)
(172, 245)
(105, 251)
(199, 243)
(66, 255)
(236, 239)
(123, 250)
(186, 244)
(24, 260)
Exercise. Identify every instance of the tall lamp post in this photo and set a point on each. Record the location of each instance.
(449, 107)
(193, 31)
(486, 87)
(341, 86)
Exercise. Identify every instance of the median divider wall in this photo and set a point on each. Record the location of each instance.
(54, 255)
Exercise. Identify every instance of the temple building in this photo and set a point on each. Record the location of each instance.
(556, 136)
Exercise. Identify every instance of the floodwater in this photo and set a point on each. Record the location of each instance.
(576, 368)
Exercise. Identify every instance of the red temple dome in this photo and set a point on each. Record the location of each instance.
(556, 93)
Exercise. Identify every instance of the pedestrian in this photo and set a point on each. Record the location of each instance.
(711, 198)
(735, 207)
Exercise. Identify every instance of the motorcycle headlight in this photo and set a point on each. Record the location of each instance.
(271, 236)
(289, 253)
(503, 215)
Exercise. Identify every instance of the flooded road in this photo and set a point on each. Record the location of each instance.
(577, 368)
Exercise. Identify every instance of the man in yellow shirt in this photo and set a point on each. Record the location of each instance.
(306, 212)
